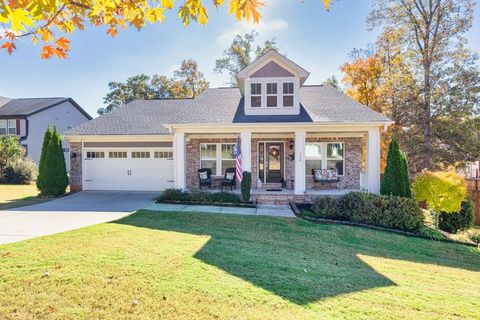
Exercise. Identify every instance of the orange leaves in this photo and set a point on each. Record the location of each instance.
(246, 9)
(63, 44)
(60, 51)
(9, 46)
(112, 31)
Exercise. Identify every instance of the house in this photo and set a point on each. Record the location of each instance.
(286, 129)
(28, 119)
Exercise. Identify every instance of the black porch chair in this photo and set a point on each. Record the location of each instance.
(205, 178)
(229, 178)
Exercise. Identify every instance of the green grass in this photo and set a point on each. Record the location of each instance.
(171, 265)
(17, 195)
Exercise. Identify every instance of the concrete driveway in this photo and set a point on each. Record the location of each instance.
(71, 212)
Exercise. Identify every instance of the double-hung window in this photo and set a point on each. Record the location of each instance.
(3, 127)
(313, 157)
(288, 93)
(325, 155)
(255, 95)
(217, 157)
(335, 157)
(272, 94)
(12, 126)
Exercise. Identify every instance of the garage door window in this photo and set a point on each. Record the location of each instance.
(163, 155)
(117, 154)
(95, 154)
(140, 154)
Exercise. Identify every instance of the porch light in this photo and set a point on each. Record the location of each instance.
(291, 145)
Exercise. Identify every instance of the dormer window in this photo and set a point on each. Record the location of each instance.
(271, 95)
(288, 93)
(256, 95)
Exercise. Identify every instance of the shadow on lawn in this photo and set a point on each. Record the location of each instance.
(294, 259)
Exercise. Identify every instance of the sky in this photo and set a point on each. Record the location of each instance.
(317, 40)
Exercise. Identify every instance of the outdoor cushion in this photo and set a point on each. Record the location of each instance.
(332, 174)
(203, 175)
(318, 174)
(230, 175)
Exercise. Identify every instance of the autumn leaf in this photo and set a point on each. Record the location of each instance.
(112, 32)
(9, 46)
(202, 16)
(168, 4)
(63, 44)
(327, 4)
(19, 19)
(47, 52)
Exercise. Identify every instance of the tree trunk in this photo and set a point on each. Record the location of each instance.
(426, 117)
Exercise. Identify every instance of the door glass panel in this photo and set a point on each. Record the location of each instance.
(274, 162)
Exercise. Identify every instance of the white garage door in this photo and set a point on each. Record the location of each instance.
(134, 169)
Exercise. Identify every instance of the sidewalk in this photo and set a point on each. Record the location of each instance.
(261, 210)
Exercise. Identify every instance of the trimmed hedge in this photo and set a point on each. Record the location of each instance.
(198, 196)
(383, 211)
(458, 221)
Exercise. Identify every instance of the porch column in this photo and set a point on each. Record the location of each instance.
(246, 145)
(179, 160)
(373, 160)
(300, 162)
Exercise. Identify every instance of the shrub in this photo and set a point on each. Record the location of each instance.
(225, 197)
(10, 152)
(55, 179)
(325, 207)
(475, 238)
(198, 195)
(172, 194)
(458, 221)
(395, 181)
(354, 203)
(22, 171)
(246, 186)
(41, 165)
(401, 213)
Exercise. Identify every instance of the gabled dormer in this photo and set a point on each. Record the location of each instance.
(271, 85)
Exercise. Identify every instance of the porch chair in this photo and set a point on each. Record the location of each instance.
(229, 178)
(205, 178)
(326, 176)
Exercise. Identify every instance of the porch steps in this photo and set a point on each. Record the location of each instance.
(272, 186)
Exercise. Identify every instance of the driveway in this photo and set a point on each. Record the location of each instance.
(71, 212)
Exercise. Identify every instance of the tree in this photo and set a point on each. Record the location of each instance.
(55, 180)
(187, 82)
(41, 165)
(441, 191)
(39, 19)
(434, 41)
(241, 53)
(332, 81)
(395, 178)
(10, 152)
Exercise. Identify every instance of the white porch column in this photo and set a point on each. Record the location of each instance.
(300, 162)
(246, 145)
(179, 160)
(373, 160)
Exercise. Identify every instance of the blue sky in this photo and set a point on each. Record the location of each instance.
(317, 40)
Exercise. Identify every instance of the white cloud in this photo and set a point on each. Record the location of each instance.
(265, 28)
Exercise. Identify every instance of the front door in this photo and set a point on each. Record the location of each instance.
(273, 162)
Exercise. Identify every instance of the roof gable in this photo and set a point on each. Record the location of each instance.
(271, 69)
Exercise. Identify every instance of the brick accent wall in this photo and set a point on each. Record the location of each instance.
(352, 158)
(76, 167)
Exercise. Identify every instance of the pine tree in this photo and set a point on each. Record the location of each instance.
(395, 180)
(41, 166)
(56, 179)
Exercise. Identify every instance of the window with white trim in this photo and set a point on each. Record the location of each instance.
(117, 154)
(3, 127)
(95, 154)
(288, 93)
(12, 126)
(140, 154)
(325, 155)
(217, 157)
(255, 95)
(272, 93)
(163, 155)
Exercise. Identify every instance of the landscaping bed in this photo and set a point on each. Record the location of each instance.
(198, 197)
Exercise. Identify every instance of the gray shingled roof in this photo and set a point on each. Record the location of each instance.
(4, 100)
(29, 106)
(319, 104)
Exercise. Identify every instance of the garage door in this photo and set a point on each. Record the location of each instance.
(134, 169)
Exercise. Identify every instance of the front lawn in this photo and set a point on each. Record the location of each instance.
(171, 265)
(16, 195)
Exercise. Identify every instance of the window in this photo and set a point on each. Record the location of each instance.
(117, 154)
(256, 95)
(217, 157)
(313, 157)
(163, 155)
(228, 157)
(95, 154)
(288, 94)
(140, 154)
(3, 127)
(335, 157)
(321, 155)
(208, 157)
(12, 126)
(271, 94)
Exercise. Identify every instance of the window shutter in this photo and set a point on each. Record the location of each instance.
(18, 127)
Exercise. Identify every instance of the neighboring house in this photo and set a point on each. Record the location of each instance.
(286, 129)
(28, 119)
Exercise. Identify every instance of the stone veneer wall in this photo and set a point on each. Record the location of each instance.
(76, 167)
(352, 158)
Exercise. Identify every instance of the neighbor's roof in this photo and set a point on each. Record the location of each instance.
(29, 106)
(4, 100)
(319, 104)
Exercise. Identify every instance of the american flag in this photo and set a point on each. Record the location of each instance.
(238, 152)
